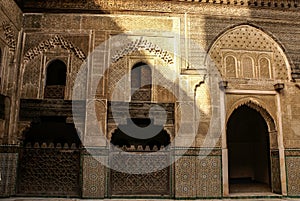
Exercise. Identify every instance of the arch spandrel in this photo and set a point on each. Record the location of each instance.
(259, 107)
(250, 41)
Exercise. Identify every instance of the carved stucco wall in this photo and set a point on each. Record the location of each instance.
(103, 26)
(232, 49)
(10, 26)
(45, 48)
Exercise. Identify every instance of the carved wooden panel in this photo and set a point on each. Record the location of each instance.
(49, 171)
(54, 91)
(153, 183)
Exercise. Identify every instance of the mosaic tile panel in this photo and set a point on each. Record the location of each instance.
(293, 173)
(8, 168)
(209, 177)
(185, 177)
(93, 173)
(198, 174)
(275, 172)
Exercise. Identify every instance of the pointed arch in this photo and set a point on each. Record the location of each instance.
(260, 108)
(248, 144)
(272, 134)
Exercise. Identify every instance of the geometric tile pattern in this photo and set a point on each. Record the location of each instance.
(185, 181)
(293, 175)
(209, 177)
(275, 172)
(93, 173)
(116, 72)
(197, 177)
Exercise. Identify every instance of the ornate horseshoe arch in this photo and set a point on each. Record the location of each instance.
(259, 107)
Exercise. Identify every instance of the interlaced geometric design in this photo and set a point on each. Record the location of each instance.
(140, 44)
(49, 171)
(57, 40)
(154, 183)
(31, 77)
(142, 94)
(9, 35)
(73, 76)
(54, 91)
(116, 72)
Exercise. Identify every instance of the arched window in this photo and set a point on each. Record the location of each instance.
(230, 66)
(264, 68)
(247, 67)
(55, 79)
(141, 81)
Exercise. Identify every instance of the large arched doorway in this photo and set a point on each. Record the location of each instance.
(248, 152)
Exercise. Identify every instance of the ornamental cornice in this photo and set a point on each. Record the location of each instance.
(141, 5)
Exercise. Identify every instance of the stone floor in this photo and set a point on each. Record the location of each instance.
(250, 187)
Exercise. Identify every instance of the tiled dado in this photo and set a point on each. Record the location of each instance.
(93, 173)
(292, 159)
(198, 174)
(8, 170)
(275, 171)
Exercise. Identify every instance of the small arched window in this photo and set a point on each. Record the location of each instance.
(55, 79)
(141, 82)
(230, 66)
(265, 68)
(247, 67)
